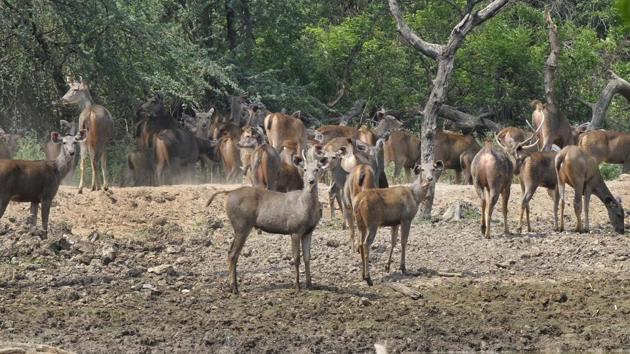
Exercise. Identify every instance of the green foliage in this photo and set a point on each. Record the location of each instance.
(29, 147)
(609, 171)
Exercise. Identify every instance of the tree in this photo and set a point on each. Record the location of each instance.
(444, 54)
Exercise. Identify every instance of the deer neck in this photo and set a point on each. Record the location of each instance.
(63, 163)
(86, 100)
(418, 190)
(603, 193)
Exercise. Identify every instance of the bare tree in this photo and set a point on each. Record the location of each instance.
(616, 85)
(444, 54)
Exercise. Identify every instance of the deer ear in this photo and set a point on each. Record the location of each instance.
(323, 162)
(55, 137)
(417, 168)
(298, 161)
(438, 165)
(81, 135)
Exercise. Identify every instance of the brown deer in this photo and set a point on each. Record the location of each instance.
(250, 139)
(153, 117)
(230, 155)
(176, 152)
(367, 136)
(450, 146)
(492, 176)
(362, 177)
(270, 172)
(37, 182)
(330, 132)
(555, 129)
(140, 167)
(281, 127)
(403, 149)
(295, 213)
(98, 123)
(607, 146)
(396, 207)
(52, 150)
(511, 136)
(577, 168)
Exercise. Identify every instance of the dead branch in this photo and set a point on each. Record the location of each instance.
(552, 61)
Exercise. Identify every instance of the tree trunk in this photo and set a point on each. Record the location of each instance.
(429, 122)
(230, 19)
(616, 85)
(552, 61)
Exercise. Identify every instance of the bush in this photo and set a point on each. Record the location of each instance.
(609, 171)
(29, 148)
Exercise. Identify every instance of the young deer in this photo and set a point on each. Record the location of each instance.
(294, 213)
(98, 123)
(395, 206)
(37, 181)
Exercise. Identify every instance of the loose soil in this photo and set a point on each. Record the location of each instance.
(92, 286)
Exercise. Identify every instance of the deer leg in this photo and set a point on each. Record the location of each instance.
(349, 218)
(365, 253)
(505, 197)
(306, 254)
(104, 171)
(396, 172)
(523, 207)
(394, 233)
(4, 202)
(527, 197)
(587, 201)
(493, 198)
(556, 198)
(93, 160)
(331, 199)
(45, 213)
(407, 174)
(458, 176)
(561, 200)
(82, 167)
(626, 166)
(33, 219)
(340, 204)
(577, 207)
(235, 250)
(404, 237)
(482, 196)
(295, 248)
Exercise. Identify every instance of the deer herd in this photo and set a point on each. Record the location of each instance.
(284, 161)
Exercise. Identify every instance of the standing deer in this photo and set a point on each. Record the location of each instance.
(607, 146)
(37, 181)
(52, 150)
(492, 176)
(98, 123)
(577, 168)
(396, 207)
(295, 213)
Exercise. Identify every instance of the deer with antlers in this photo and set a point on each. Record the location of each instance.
(98, 123)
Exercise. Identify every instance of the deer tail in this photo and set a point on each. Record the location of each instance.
(213, 195)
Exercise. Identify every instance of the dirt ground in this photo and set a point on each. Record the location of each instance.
(93, 285)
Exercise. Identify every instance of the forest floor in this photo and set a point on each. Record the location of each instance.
(144, 270)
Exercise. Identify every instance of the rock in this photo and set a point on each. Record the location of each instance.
(172, 250)
(185, 291)
(457, 211)
(624, 177)
(248, 252)
(82, 258)
(561, 298)
(162, 269)
(135, 272)
(380, 348)
(160, 221)
(94, 236)
(108, 255)
(151, 288)
(365, 301)
(333, 243)
(59, 245)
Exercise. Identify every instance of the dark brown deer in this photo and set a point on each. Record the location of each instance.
(153, 117)
(511, 136)
(140, 167)
(230, 155)
(295, 213)
(396, 207)
(492, 176)
(98, 123)
(607, 146)
(176, 152)
(577, 168)
(37, 182)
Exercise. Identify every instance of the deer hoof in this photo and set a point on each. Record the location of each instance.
(368, 280)
(403, 270)
(80, 191)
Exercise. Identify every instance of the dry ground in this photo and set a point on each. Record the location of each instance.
(88, 287)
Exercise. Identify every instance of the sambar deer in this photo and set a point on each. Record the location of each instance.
(577, 168)
(396, 207)
(98, 122)
(37, 182)
(492, 176)
(403, 149)
(607, 146)
(295, 213)
(52, 150)
(449, 148)
(556, 129)
(281, 127)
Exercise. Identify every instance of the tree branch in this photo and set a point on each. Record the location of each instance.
(431, 50)
(467, 121)
(616, 85)
(356, 109)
